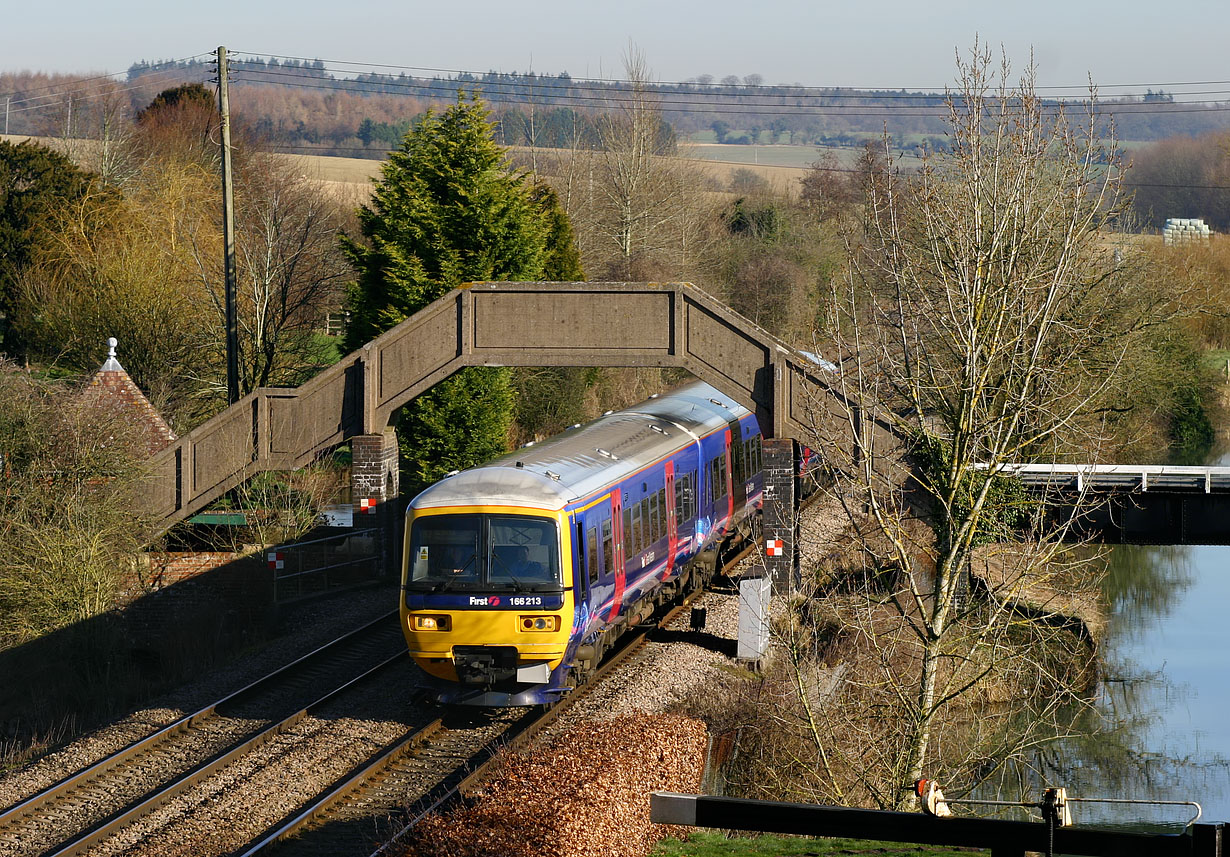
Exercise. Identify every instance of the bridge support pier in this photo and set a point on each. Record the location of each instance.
(779, 457)
(374, 485)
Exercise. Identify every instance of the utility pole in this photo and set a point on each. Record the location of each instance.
(7, 100)
(228, 236)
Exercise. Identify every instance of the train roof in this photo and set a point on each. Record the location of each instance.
(565, 468)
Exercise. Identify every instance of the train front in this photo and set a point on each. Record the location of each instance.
(487, 603)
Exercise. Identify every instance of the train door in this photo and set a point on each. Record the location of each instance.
(738, 467)
(672, 526)
(730, 483)
(617, 519)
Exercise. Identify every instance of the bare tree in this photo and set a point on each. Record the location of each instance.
(290, 273)
(640, 205)
(982, 323)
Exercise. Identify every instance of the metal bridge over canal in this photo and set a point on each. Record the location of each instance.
(1139, 503)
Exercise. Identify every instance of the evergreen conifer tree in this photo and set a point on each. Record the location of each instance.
(447, 210)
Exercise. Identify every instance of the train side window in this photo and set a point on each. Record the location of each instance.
(637, 523)
(628, 542)
(737, 463)
(655, 525)
(721, 475)
(592, 561)
(663, 527)
(608, 547)
(755, 441)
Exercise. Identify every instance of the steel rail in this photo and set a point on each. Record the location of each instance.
(83, 842)
(31, 806)
(521, 734)
(351, 784)
(620, 657)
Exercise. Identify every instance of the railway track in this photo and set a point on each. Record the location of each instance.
(427, 766)
(431, 768)
(95, 803)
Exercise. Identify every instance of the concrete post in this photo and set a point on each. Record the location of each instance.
(374, 484)
(781, 520)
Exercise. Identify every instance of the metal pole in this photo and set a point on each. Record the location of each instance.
(228, 236)
(9, 99)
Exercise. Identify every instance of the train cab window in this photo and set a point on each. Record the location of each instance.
(592, 561)
(484, 552)
(608, 547)
(655, 524)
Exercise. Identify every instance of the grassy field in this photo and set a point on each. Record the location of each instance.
(782, 166)
(706, 844)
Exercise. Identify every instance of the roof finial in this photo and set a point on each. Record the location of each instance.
(112, 365)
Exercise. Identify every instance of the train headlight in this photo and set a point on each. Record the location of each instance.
(432, 623)
(539, 623)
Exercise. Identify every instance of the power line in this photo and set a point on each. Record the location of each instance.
(94, 95)
(885, 89)
(112, 74)
(160, 76)
(368, 87)
(568, 90)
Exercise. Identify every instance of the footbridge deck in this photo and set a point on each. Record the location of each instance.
(495, 324)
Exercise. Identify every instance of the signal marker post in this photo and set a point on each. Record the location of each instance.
(779, 458)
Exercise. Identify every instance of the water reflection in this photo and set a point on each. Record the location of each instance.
(1157, 729)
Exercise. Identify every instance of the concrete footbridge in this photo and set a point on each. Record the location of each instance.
(507, 324)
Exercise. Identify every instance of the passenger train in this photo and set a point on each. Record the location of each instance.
(519, 574)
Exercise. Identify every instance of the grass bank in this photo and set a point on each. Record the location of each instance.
(712, 844)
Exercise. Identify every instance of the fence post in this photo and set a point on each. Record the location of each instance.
(1206, 840)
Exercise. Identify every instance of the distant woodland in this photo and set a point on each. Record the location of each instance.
(300, 106)
(299, 102)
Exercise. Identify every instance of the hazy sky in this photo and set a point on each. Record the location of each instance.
(888, 44)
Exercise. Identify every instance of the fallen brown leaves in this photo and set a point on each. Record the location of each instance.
(585, 796)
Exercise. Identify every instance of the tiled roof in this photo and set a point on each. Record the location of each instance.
(113, 383)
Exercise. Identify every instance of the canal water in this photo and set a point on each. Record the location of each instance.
(1164, 703)
(1161, 729)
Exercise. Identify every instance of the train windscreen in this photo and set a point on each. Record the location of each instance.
(477, 552)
